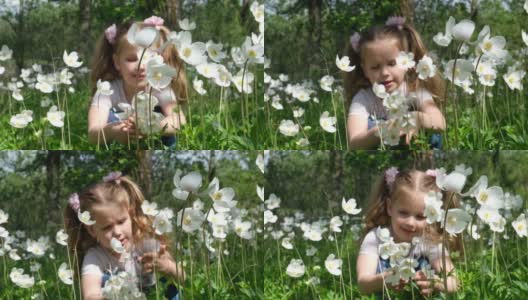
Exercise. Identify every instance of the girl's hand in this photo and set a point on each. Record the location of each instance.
(160, 261)
(400, 286)
(129, 126)
(425, 285)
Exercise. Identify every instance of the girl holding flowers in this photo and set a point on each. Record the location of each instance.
(134, 64)
(400, 245)
(119, 240)
(387, 96)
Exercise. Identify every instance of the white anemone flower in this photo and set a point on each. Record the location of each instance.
(524, 37)
(286, 243)
(159, 75)
(405, 60)
(260, 162)
(142, 37)
(343, 64)
(61, 237)
(20, 279)
(117, 246)
(269, 217)
(65, 274)
(463, 69)
(187, 25)
(5, 53)
(295, 268)
(72, 59)
(187, 184)
(3, 217)
(494, 46)
(208, 70)
(104, 88)
(21, 120)
(326, 82)
(425, 68)
(526, 6)
(273, 202)
(521, 224)
(149, 208)
(222, 198)
(456, 221)
(454, 181)
(258, 11)
(288, 128)
(44, 84)
(242, 229)
(335, 224)
(215, 51)
(162, 224)
(463, 30)
(260, 192)
(350, 206)
(191, 53)
(190, 218)
(198, 86)
(514, 79)
(85, 218)
(253, 53)
(333, 265)
(444, 39)
(433, 207)
(327, 122)
(379, 90)
(223, 77)
(243, 81)
(55, 117)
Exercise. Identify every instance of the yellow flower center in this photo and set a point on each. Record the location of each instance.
(187, 220)
(488, 46)
(217, 196)
(187, 52)
(484, 197)
(158, 76)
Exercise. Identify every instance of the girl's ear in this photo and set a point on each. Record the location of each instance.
(115, 60)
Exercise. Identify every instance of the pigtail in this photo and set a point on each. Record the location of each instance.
(355, 80)
(79, 240)
(413, 43)
(172, 58)
(102, 63)
(141, 224)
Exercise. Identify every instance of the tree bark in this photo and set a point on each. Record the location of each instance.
(85, 21)
(407, 10)
(314, 13)
(144, 159)
(53, 183)
(173, 12)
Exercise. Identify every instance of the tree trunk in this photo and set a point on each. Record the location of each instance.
(244, 11)
(336, 171)
(20, 41)
(407, 10)
(144, 159)
(53, 184)
(85, 21)
(173, 12)
(314, 13)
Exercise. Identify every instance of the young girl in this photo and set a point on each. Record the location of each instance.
(397, 203)
(374, 54)
(115, 206)
(116, 61)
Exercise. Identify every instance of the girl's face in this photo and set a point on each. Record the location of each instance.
(127, 64)
(407, 216)
(379, 63)
(112, 221)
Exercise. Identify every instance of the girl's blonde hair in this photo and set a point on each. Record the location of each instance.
(407, 182)
(409, 40)
(103, 65)
(123, 192)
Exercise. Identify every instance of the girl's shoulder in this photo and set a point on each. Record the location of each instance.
(364, 95)
(370, 243)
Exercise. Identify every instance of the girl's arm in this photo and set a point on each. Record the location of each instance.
(430, 117)
(99, 131)
(359, 136)
(91, 287)
(173, 120)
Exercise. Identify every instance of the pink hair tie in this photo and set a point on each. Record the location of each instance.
(390, 175)
(74, 202)
(354, 41)
(431, 172)
(397, 21)
(113, 176)
(110, 34)
(154, 21)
